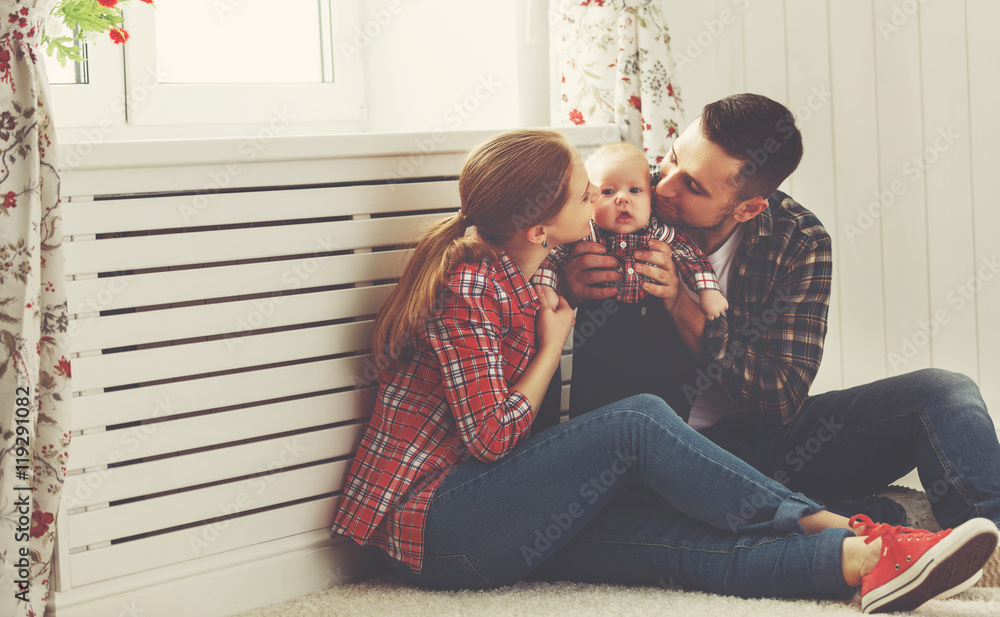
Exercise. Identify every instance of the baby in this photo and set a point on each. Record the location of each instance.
(623, 222)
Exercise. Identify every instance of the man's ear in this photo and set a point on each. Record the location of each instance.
(750, 209)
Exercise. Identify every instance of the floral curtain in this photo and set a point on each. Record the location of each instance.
(616, 67)
(34, 351)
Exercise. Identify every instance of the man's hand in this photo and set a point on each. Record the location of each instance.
(664, 273)
(586, 266)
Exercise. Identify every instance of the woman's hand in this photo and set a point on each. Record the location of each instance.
(547, 296)
(553, 326)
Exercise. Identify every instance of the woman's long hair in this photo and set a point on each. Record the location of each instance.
(508, 183)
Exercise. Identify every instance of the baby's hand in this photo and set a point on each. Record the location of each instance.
(713, 303)
(548, 296)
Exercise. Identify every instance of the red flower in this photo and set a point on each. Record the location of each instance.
(670, 89)
(63, 368)
(10, 201)
(671, 131)
(40, 523)
(108, 3)
(576, 116)
(148, 1)
(118, 35)
(636, 102)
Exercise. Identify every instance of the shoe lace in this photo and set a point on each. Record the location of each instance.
(873, 530)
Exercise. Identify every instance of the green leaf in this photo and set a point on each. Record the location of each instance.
(64, 48)
(89, 16)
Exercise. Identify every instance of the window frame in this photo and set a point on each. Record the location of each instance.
(124, 94)
(100, 102)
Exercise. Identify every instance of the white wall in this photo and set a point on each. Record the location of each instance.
(896, 101)
(451, 65)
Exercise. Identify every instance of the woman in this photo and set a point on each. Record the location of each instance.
(448, 485)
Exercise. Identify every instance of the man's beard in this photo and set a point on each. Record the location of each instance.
(678, 221)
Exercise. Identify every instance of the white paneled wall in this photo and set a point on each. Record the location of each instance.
(897, 101)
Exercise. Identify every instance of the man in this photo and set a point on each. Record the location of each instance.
(745, 376)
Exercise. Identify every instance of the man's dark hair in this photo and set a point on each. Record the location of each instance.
(761, 133)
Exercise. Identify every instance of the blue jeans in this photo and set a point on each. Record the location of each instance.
(628, 492)
(845, 446)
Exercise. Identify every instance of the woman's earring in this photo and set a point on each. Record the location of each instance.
(545, 244)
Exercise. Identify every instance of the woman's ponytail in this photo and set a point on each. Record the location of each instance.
(415, 298)
(508, 183)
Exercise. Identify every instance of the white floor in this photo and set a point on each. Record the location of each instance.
(379, 597)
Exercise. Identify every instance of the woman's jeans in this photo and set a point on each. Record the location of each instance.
(626, 493)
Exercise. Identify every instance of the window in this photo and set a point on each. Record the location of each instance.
(216, 62)
(241, 61)
(73, 73)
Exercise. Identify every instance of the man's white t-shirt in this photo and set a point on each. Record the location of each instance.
(713, 405)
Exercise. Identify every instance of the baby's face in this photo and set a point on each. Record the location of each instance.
(622, 204)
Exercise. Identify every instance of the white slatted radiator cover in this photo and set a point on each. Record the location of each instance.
(222, 295)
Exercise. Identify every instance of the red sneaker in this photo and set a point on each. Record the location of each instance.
(915, 565)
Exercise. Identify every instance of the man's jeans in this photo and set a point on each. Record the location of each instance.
(845, 446)
(628, 492)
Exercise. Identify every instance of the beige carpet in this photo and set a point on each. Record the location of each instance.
(379, 597)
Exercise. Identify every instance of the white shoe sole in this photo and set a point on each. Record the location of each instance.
(947, 565)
